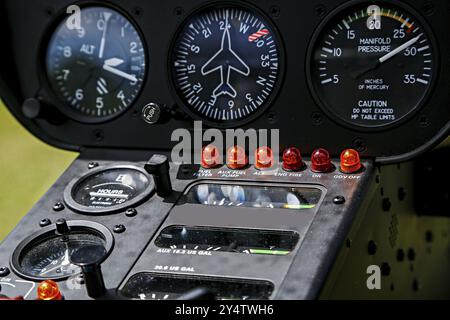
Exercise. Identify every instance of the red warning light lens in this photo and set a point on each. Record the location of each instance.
(350, 161)
(236, 158)
(320, 161)
(210, 157)
(48, 290)
(263, 158)
(292, 159)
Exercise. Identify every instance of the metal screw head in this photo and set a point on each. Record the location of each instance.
(339, 200)
(320, 10)
(92, 165)
(45, 222)
(59, 206)
(316, 118)
(275, 11)
(4, 271)
(131, 212)
(119, 228)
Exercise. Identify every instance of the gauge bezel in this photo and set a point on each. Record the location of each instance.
(48, 233)
(46, 89)
(71, 203)
(281, 64)
(329, 112)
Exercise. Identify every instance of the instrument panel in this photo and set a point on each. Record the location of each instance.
(333, 73)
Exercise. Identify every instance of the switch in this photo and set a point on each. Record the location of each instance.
(61, 227)
(158, 167)
(89, 259)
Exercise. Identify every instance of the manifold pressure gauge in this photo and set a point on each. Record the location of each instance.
(372, 64)
(107, 190)
(226, 64)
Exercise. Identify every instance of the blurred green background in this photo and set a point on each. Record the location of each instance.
(28, 168)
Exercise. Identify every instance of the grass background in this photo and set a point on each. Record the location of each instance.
(28, 167)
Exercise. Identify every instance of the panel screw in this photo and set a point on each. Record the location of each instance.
(45, 222)
(272, 117)
(275, 11)
(423, 121)
(131, 212)
(339, 200)
(178, 11)
(137, 11)
(372, 247)
(4, 271)
(119, 228)
(320, 10)
(360, 144)
(317, 118)
(98, 135)
(59, 206)
(428, 8)
(92, 165)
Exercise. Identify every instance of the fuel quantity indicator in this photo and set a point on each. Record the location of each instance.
(244, 241)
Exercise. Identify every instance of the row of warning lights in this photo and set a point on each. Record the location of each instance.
(236, 158)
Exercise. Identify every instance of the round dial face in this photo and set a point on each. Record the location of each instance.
(50, 256)
(372, 65)
(226, 64)
(109, 189)
(96, 68)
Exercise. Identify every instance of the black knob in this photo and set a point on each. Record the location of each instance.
(158, 167)
(89, 259)
(61, 227)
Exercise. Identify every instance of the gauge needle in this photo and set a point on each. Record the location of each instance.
(399, 49)
(110, 65)
(375, 64)
(106, 15)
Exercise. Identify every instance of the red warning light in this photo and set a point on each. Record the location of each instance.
(263, 158)
(350, 161)
(236, 158)
(210, 157)
(292, 159)
(48, 290)
(320, 161)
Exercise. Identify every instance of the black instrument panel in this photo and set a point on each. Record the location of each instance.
(251, 64)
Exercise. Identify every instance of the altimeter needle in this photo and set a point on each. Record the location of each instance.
(110, 65)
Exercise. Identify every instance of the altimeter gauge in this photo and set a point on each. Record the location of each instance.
(97, 69)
